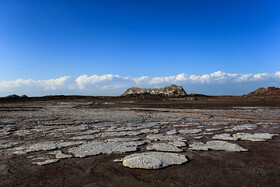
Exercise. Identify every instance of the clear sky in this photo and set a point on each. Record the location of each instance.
(43, 40)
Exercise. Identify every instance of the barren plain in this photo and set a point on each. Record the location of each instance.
(126, 141)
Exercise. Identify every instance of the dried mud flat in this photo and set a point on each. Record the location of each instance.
(129, 143)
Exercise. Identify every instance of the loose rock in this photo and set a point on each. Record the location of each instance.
(40, 163)
(171, 132)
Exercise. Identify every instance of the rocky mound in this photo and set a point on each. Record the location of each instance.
(14, 96)
(270, 91)
(170, 91)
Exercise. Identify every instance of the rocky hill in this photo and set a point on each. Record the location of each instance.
(270, 91)
(170, 91)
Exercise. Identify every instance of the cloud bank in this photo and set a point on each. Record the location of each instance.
(217, 83)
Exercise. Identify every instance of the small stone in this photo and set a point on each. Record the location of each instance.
(118, 160)
(198, 137)
(40, 163)
(171, 132)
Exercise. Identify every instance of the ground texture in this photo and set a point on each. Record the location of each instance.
(219, 141)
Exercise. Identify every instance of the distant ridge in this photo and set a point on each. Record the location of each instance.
(270, 91)
(16, 96)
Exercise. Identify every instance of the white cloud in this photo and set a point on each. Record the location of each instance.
(109, 84)
(51, 84)
(85, 80)
(181, 77)
(140, 80)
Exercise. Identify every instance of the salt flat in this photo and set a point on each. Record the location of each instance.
(68, 136)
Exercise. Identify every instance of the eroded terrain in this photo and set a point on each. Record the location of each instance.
(78, 143)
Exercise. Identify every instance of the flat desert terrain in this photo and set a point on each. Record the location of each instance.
(126, 141)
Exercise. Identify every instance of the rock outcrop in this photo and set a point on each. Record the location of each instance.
(170, 91)
(270, 91)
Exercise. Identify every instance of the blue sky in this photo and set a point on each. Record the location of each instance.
(50, 39)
